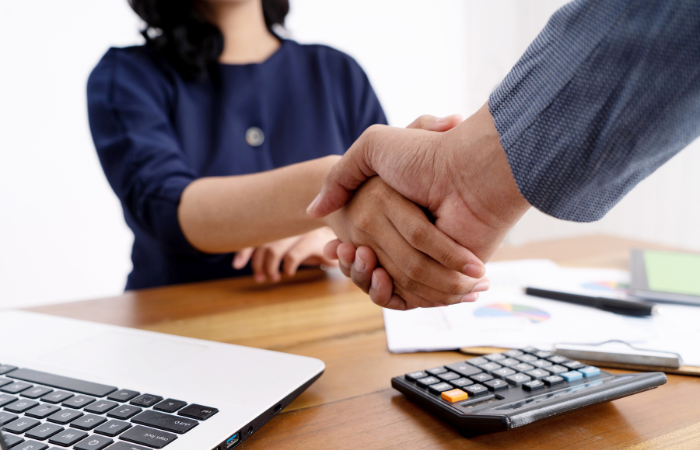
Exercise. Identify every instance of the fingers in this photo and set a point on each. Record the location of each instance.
(362, 268)
(242, 257)
(346, 256)
(432, 123)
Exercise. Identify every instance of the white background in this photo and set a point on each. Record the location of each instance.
(63, 235)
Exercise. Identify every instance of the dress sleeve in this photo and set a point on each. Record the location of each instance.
(137, 147)
(608, 92)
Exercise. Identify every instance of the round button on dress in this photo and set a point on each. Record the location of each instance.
(254, 136)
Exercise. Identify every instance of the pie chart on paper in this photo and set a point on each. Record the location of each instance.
(512, 310)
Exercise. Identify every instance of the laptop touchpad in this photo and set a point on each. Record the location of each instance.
(124, 354)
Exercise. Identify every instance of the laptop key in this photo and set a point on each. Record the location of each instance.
(12, 440)
(113, 428)
(78, 401)
(88, 422)
(68, 437)
(4, 368)
(21, 425)
(5, 399)
(182, 425)
(36, 392)
(126, 446)
(61, 382)
(56, 397)
(31, 445)
(93, 443)
(146, 400)
(17, 387)
(44, 431)
(101, 406)
(5, 381)
(64, 416)
(124, 412)
(6, 417)
(123, 395)
(148, 436)
(198, 412)
(170, 405)
(21, 406)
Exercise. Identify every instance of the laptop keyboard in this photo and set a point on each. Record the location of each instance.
(43, 411)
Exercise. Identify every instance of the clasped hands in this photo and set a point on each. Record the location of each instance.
(378, 198)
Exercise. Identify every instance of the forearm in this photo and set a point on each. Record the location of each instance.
(226, 214)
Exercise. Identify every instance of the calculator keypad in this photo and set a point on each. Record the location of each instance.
(528, 369)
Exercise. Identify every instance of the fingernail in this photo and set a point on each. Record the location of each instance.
(443, 119)
(313, 204)
(474, 296)
(260, 278)
(360, 265)
(375, 282)
(473, 270)
(482, 286)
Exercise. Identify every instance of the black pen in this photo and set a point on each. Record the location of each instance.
(627, 307)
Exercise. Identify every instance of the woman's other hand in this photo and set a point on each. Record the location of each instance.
(290, 253)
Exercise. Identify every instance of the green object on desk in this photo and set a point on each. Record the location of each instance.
(673, 272)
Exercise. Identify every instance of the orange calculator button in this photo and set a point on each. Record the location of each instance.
(455, 395)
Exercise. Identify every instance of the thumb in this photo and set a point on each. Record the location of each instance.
(432, 123)
(346, 175)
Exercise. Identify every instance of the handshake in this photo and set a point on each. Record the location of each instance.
(418, 211)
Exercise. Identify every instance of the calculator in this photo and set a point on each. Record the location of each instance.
(502, 391)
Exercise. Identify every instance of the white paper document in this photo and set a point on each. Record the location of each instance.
(505, 317)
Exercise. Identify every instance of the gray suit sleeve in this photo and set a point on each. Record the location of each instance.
(607, 93)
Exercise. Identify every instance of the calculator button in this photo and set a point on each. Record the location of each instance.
(436, 370)
(522, 367)
(455, 395)
(508, 362)
(447, 376)
(571, 376)
(518, 379)
(552, 380)
(558, 359)
(589, 371)
(44, 431)
(513, 353)
(533, 385)
(557, 369)
(502, 373)
(477, 361)
(434, 388)
(56, 397)
(476, 390)
(481, 377)
(122, 395)
(463, 369)
(461, 382)
(530, 349)
(490, 367)
(427, 381)
(495, 357)
(537, 374)
(541, 363)
(413, 376)
(573, 365)
(526, 358)
(543, 354)
(78, 401)
(496, 385)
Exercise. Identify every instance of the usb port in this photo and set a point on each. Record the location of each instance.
(233, 440)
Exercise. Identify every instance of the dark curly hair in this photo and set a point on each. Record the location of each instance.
(178, 29)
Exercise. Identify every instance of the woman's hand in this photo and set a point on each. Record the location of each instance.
(303, 250)
(427, 267)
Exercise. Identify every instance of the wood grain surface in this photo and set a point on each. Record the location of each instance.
(352, 406)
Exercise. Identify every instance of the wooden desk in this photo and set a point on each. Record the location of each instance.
(352, 406)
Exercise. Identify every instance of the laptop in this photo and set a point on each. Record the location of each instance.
(68, 383)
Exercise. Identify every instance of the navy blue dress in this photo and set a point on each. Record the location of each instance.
(155, 132)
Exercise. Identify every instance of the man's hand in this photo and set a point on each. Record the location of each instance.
(303, 250)
(461, 176)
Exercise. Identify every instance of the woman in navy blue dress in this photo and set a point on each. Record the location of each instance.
(216, 134)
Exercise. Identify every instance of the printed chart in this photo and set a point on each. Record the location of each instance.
(512, 310)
